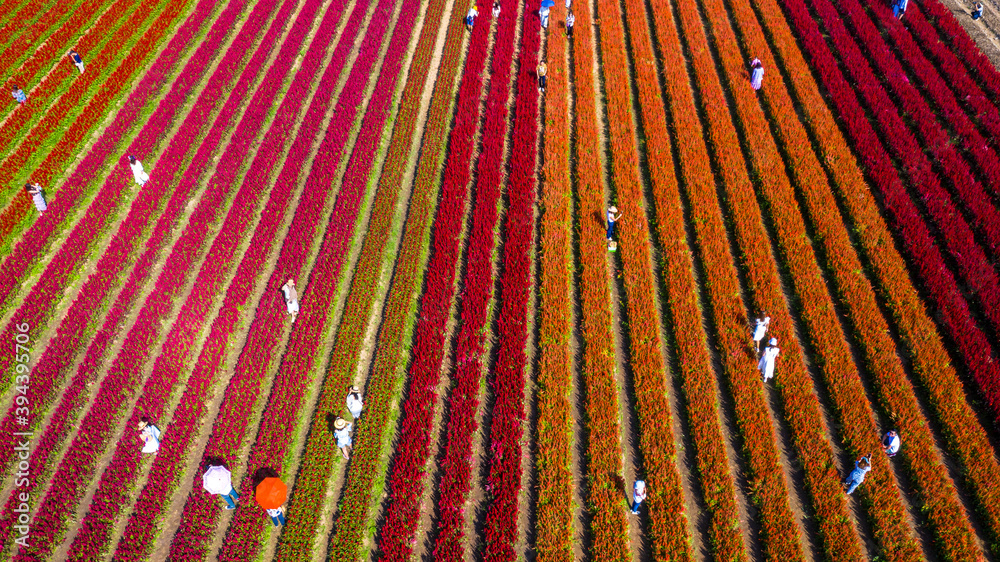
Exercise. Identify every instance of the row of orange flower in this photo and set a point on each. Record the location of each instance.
(554, 503)
(964, 435)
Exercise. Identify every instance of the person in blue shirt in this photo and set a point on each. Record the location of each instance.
(77, 60)
(18, 94)
(857, 476)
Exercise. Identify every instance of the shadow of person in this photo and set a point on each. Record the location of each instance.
(261, 473)
(619, 483)
(213, 461)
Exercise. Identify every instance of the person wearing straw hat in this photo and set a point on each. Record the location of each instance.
(150, 436)
(613, 217)
(857, 476)
(217, 480)
(291, 298)
(891, 443)
(470, 18)
(768, 359)
(760, 330)
(638, 495)
(342, 431)
(138, 173)
(354, 402)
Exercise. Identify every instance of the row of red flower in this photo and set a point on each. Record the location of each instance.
(984, 216)
(972, 263)
(503, 484)
(50, 368)
(49, 104)
(280, 416)
(366, 466)
(455, 465)
(320, 452)
(125, 372)
(951, 32)
(406, 480)
(125, 465)
(905, 217)
(12, 219)
(57, 34)
(15, 16)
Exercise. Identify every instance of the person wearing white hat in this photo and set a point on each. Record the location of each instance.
(638, 495)
(291, 298)
(613, 217)
(768, 359)
(342, 431)
(150, 435)
(354, 402)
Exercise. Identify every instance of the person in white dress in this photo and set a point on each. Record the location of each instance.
(37, 197)
(354, 402)
(138, 173)
(496, 9)
(760, 330)
(342, 432)
(768, 359)
(291, 298)
(150, 436)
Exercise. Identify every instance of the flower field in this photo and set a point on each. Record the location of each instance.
(443, 211)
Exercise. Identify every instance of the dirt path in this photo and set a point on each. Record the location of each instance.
(984, 31)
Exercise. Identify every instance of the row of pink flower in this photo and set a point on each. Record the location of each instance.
(985, 217)
(37, 304)
(51, 367)
(955, 72)
(278, 421)
(230, 431)
(901, 211)
(166, 470)
(406, 482)
(456, 465)
(320, 455)
(125, 372)
(503, 484)
(952, 33)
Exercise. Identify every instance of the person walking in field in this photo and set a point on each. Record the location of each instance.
(891, 443)
(18, 94)
(496, 9)
(638, 495)
(899, 8)
(768, 359)
(354, 402)
(470, 18)
(291, 298)
(218, 480)
(613, 217)
(542, 70)
(277, 516)
(756, 74)
(138, 173)
(570, 20)
(857, 476)
(150, 436)
(77, 60)
(759, 330)
(342, 432)
(568, 4)
(543, 14)
(37, 196)
(978, 12)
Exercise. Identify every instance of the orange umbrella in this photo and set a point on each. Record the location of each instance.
(271, 493)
